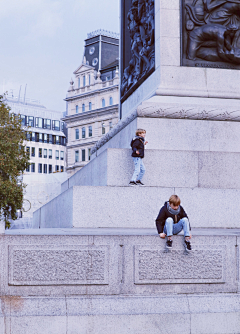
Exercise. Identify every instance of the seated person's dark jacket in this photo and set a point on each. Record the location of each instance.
(164, 214)
(138, 145)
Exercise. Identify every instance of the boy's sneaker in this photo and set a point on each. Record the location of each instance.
(139, 183)
(187, 245)
(132, 183)
(169, 244)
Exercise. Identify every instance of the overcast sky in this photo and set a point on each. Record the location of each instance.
(42, 43)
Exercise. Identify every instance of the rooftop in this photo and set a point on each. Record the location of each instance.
(104, 33)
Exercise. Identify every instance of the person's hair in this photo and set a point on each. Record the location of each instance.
(175, 200)
(138, 131)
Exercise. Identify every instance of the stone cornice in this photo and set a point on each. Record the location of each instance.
(91, 92)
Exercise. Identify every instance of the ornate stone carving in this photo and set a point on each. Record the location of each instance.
(138, 40)
(156, 266)
(39, 265)
(210, 33)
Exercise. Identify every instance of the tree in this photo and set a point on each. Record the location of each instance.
(13, 161)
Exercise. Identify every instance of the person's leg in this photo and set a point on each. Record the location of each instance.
(137, 162)
(183, 224)
(168, 227)
(142, 170)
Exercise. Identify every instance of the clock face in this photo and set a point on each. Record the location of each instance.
(94, 62)
(92, 50)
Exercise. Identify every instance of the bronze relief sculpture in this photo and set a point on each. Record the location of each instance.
(210, 33)
(138, 54)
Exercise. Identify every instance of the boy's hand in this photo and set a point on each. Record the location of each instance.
(162, 235)
(137, 152)
(146, 142)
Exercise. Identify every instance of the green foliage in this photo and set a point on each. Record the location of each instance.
(13, 161)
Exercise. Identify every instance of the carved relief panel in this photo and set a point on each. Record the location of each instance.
(137, 44)
(211, 33)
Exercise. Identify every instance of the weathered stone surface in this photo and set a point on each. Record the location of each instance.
(44, 266)
(201, 266)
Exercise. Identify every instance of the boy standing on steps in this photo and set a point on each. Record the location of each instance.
(137, 145)
(172, 219)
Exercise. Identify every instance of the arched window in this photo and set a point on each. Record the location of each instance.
(83, 132)
(89, 79)
(76, 156)
(76, 133)
(110, 101)
(84, 81)
(103, 129)
(76, 109)
(90, 131)
(78, 82)
(103, 103)
(83, 107)
(90, 105)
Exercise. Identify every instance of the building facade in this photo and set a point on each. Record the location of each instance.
(92, 98)
(45, 140)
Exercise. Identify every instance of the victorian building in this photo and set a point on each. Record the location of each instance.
(92, 98)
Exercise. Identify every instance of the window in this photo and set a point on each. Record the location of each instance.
(33, 167)
(78, 82)
(56, 125)
(57, 140)
(39, 122)
(30, 120)
(40, 137)
(108, 78)
(56, 168)
(28, 150)
(89, 154)
(110, 101)
(103, 129)
(76, 156)
(90, 131)
(45, 168)
(83, 133)
(45, 138)
(84, 81)
(83, 107)
(50, 154)
(62, 155)
(23, 119)
(76, 109)
(62, 126)
(32, 136)
(53, 139)
(49, 139)
(33, 152)
(103, 103)
(90, 105)
(47, 124)
(110, 125)
(27, 134)
(83, 155)
(62, 169)
(57, 155)
(89, 79)
(28, 168)
(45, 153)
(49, 169)
(39, 168)
(40, 153)
(76, 133)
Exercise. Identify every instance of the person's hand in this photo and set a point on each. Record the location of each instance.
(162, 235)
(146, 142)
(137, 152)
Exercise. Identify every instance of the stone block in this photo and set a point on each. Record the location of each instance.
(169, 23)
(219, 170)
(38, 325)
(170, 51)
(58, 266)
(165, 4)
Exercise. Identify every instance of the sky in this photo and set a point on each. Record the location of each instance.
(42, 44)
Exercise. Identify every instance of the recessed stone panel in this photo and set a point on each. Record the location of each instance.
(156, 266)
(39, 265)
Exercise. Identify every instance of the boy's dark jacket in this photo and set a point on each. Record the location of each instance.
(137, 144)
(164, 214)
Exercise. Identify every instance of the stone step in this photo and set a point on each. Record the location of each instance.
(136, 207)
(186, 169)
